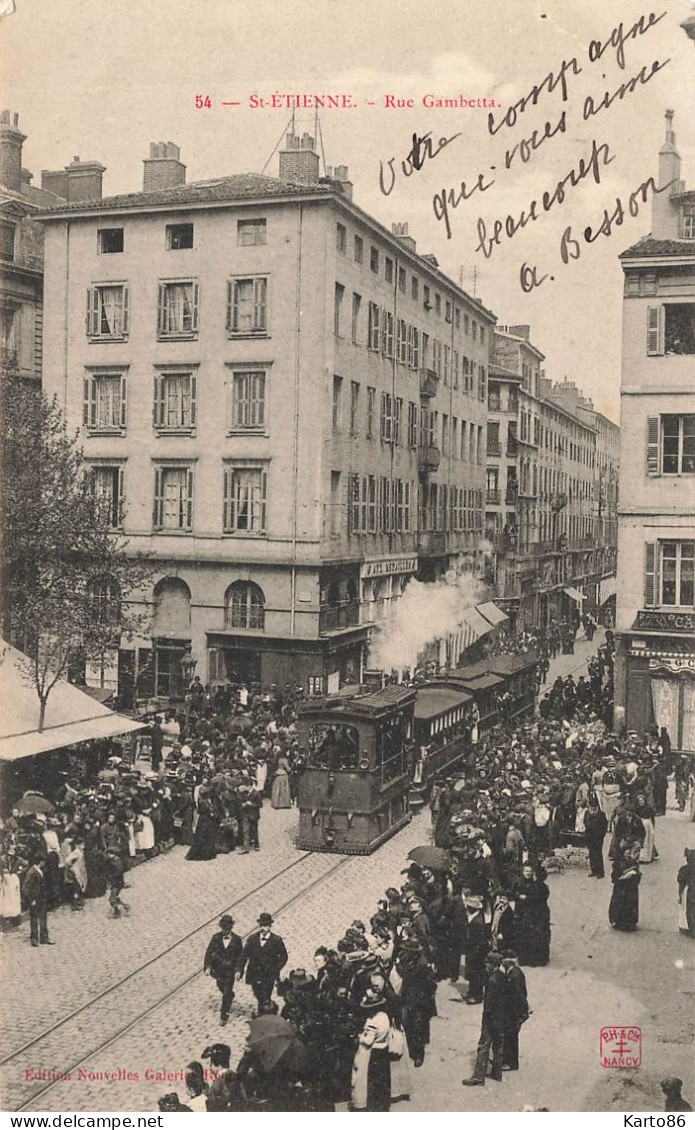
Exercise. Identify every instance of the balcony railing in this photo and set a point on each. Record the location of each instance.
(339, 616)
(511, 496)
(494, 404)
(428, 457)
(431, 542)
(512, 447)
(428, 382)
(494, 447)
(493, 496)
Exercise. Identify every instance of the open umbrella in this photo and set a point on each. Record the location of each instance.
(437, 859)
(277, 1044)
(31, 803)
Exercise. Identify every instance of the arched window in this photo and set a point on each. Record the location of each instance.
(245, 606)
(172, 609)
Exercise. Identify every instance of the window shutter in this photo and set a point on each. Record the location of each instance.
(124, 400)
(126, 295)
(158, 401)
(91, 324)
(230, 322)
(189, 498)
(86, 400)
(158, 498)
(194, 387)
(227, 500)
(161, 310)
(259, 303)
(196, 307)
(655, 330)
(653, 429)
(264, 489)
(650, 575)
(234, 300)
(120, 496)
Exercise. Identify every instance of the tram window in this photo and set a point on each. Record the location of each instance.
(334, 747)
(390, 741)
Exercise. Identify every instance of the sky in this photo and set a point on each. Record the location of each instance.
(101, 80)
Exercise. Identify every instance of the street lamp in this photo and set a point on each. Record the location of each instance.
(188, 666)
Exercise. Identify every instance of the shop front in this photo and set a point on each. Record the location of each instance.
(658, 656)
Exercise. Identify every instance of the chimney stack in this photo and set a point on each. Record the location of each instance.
(664, 214)
(299, 162)
(11, 141)
(77, 182)
(401, 233)
(163, 169)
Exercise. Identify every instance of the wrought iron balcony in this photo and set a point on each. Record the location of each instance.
(428, 457)
(493, 496)
(339, 616)
(428, 382)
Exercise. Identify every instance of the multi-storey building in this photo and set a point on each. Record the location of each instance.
(282, 402)
(655, 660)
(21, 243)
(548, 454)
(21, 256)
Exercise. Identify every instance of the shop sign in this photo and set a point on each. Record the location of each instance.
(648, 621)
(388, 566)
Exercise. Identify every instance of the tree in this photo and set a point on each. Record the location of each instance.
(67, 574)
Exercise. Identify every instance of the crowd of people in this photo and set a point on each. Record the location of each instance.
(199, 778)
(475, 901)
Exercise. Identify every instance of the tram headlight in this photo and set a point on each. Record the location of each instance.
(331, 784)
(330, 834)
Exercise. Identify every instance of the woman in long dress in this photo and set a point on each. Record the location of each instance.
(532, 918)
(95, 862)
(10, 896)
(686, 894)
(646, 814)
(623, 912)
(281, 796)
(205, 835)
(371, 1069)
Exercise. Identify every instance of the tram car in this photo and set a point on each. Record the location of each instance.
(354, 788)
(444, 717)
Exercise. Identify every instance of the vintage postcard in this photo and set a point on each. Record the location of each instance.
(347, 755)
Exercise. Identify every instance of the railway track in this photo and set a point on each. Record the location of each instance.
(111, 1014)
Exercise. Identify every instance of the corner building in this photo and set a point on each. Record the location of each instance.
(655, 660)
(280, 400)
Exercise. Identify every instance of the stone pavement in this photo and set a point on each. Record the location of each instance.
(169, 897)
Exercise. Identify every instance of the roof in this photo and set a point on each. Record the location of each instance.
(433, 701)
(71, 715)
(358, 699)
(654, 248)
(240, 186)
(510, 664)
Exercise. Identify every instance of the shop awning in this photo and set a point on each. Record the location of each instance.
(607, 588)
(477, 623)
(574, 595)
(492, 613)
(71, 715)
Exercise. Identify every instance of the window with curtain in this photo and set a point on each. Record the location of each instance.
(245, 606)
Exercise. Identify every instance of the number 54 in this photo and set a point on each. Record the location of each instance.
(202, 101)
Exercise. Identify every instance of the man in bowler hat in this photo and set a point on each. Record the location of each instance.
(36, 896)
(263, 958)
(221, 961)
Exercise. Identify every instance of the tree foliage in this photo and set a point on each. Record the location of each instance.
(66, 574)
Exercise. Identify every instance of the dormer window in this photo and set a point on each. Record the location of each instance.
(688, 221)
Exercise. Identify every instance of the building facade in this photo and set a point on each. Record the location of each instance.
(655, 660)
(282, 402)
(550, 460)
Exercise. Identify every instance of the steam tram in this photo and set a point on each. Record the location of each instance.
(353, 791)
(372, 756)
